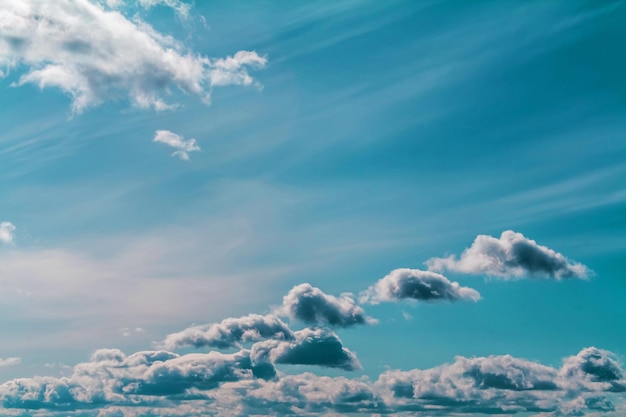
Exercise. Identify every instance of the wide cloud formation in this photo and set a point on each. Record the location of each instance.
(510, 256)
(161, 383)
(94, 54)
(414, 284)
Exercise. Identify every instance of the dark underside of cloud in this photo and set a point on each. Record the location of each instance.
(312, 306)
(510, 256)
(414, 284)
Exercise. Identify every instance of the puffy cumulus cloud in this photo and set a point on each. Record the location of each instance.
(183, 147)
(94, 54)
(320, 347)
(302, 394)
(593, 369)
(312, 306)
(230, 332)
(499, 384)
(161, 383)
(510, 256)
(6, 232)
(111, 377)
(414, 284)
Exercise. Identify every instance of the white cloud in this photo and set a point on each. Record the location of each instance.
(6, 232)
(180, 7)
(414, 284)
(95, 54)
(182, 146)
(510, 256)
(10, 361)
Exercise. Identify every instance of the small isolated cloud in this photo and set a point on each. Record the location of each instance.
(415, 284)
(510, 256)
(10, 361)
(181, 8)
(230, 332)
(321, 347)
(6, 232)
(312, 306)
(94, 54)
(183, 147)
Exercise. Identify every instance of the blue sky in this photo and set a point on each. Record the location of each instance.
(437, 190)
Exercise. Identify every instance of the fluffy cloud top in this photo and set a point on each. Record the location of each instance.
(415, 284)
(6, 232)
(95, 54)
(230, 332)
(510, 256)
(320, 347)
(183, 147)
(311, 305)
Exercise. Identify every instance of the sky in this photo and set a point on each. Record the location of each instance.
(355, 208)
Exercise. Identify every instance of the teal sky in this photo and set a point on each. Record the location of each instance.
(166, 164)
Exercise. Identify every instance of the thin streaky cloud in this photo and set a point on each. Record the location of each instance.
(183, 146)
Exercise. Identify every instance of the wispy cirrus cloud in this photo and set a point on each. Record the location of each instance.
(512, 255)
(6, 232)
(414, 284)
(183, 146)
(95, 54)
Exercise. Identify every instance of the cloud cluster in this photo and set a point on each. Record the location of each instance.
(249, 381)
(183, 147)
(6, 232)
(414, 284)
(234, 385)
(96, 54)
(312, 306)
(510, 256)
(230, 332)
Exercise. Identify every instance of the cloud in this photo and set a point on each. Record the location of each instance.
(111, 377)
(162, 383)
(183, 147)
(318, 346)
(414, 284)
(95, 54)
(6, 232)
(181, 8)
(230, 332)
(10, 361)
(510, 256)
(312, 306)
(593, 369)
